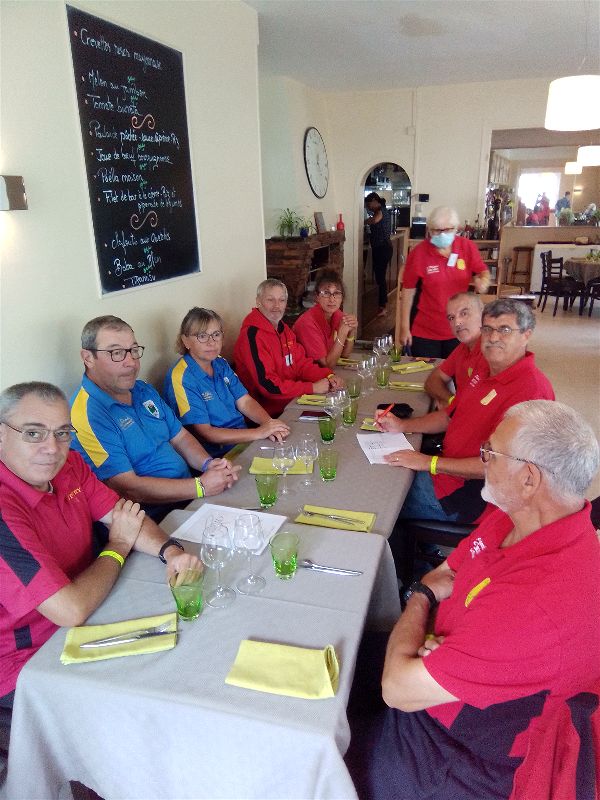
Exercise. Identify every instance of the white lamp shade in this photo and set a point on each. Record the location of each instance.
(589, 156)
(573, 104)
(573, 168)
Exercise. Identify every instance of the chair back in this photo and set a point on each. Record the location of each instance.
(556, 268)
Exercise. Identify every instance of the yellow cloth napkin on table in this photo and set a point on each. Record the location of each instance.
(368, 424)
(73, 654)
(412, 366)
(236, 450)
(264, 466)
(283, 669)
(342, 362)
(364, 519)
(405, 386)
(311, 400)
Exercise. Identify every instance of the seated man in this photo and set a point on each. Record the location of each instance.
(499, 701)
(48, 501)
(464, 315)
(128, 435)
(270, 362)
(448, 487)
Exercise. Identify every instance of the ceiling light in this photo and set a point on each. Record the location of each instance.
(571, 105)
(589, 156)
(573, 168)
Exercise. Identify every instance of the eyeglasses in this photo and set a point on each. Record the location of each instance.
(503, 331)
(485, 452)
(120, 353)
(203, 337)
(35, 435)
(435, 231)
(325, 293)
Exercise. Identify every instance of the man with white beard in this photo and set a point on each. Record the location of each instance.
(500, 700)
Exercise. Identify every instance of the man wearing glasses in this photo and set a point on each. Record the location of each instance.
(48, 501)
(448, 486)
(492, 672)
(129, 435)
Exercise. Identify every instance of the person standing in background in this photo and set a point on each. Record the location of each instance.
(381, 247)
(564, 202)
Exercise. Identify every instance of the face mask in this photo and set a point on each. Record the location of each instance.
(443, 239)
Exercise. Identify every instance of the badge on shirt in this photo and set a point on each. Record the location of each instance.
(226, 380)
(432, 269)
(475, 591)
(452, 260)
(206, 396)
(151, 408)
(485, 401)
(460, 264)
(125, 422)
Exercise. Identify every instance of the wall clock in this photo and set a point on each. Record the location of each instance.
(315, 162)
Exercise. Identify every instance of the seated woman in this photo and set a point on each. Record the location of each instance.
(326, 332)
(207, 395)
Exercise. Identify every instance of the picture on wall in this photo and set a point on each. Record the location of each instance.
(320, 222)
(132, 111)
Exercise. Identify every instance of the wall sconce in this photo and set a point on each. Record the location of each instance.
(12, 193)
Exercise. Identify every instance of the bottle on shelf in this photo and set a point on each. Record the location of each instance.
(340, 224)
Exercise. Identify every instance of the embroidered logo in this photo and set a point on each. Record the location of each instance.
(485, 401)
(477, 547)
(72, 494)
(206, 396)
(151, 408)
(470, 371)
(460, 264)
(226, 380)
(432, 268)
(125, 422)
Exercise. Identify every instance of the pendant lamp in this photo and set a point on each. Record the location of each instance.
(573, 168)
(589, 156)
(573, 104)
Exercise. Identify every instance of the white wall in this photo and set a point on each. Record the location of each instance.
(48, 273)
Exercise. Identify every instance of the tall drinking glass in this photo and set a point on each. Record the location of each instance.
(215, 551)
(283, 460)
(248, 537)
(307, 451)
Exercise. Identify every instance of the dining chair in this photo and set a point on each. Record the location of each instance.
(558, 285)
(412, 532)
(592, 293)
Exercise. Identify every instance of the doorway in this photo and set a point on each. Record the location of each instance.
(391, 183)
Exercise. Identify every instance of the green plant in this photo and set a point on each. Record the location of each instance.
(566, 216)
(596, 216)
(308, 224)
(288, 222)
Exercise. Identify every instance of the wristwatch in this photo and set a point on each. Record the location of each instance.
(417, 586)
(168, 543)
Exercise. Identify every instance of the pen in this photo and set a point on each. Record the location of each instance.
(386, 412)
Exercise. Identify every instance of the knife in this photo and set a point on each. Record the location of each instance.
(332, 570)
(338, 517)
(125, 638)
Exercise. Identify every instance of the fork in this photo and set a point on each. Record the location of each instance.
(337, 517)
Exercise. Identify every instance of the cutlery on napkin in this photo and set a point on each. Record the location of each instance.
(406, 386)
(311, 400)
(264, 466)
(336, 518)
(412, 366)
(368, 424)
(286, 670)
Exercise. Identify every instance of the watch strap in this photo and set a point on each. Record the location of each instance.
(419, 587)
(168, 543)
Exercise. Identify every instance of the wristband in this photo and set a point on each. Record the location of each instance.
(204, 466)
(433, 465)
(111, 554)
(350, 338)
(451, 398)
(200, 491)
(168, 543)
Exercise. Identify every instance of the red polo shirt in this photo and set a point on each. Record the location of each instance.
(45, 541)
(315, 333)
(440, 278)
(462, 363)
(476, 413)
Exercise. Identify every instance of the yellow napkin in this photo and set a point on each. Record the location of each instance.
(73, 654)
(236, 450)
(368, 424)
(311, 400)
(405, 386)
(345, 361)
(412, 366)
(283, 669)
(364, 519)
(264, 466)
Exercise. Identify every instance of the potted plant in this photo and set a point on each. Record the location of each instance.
(288, 222)
(566, 216)
(596, 217)
(306, 228)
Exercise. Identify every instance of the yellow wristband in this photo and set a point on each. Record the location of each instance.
(350, 338)
(111, 554)
(200, 491)
(433, 465)
(451, 398)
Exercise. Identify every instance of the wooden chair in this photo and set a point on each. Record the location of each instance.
(592, 292)
(558, 285)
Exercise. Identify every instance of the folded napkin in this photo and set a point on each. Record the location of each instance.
(412, 366)
(311, 400)
(342, 362)
(283, 669)
(368, 424)
(405, 386)
(364, 519)
(73, 654)
(235, 451)
(264, 466)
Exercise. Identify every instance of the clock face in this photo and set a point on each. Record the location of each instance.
(315, 161)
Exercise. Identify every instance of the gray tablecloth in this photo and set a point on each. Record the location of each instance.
(582, 270)
(166, 725)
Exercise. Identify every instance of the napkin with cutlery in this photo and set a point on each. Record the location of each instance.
(73, 654)
(311, 400)
(412, 366)
(336, 518)
(264, 466)
(405, 386)
(368, 424)
(285, 670)
(344, 362)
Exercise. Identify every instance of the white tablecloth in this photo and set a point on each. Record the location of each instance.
(166, 725)
(564, 251)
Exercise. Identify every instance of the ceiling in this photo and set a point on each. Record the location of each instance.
(349, 45)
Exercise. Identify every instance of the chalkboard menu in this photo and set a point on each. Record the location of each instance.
(131, 100)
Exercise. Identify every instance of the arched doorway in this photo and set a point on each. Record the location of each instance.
(392, 183)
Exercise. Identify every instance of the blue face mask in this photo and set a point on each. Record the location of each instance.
(443, 239)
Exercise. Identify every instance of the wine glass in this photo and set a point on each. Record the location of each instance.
(308, 452)
(371, 362)
(341, 398)
(215, 551)
(248, 536)
(283, 460)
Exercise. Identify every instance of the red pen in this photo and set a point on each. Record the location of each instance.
(386, 412)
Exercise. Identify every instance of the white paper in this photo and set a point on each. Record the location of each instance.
(193, 528)
(377, 445)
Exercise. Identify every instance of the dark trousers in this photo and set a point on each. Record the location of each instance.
(381, 255)
(433, 348)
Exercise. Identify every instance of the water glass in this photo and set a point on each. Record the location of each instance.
(248, 537)
(284, 552)
(354, 386)
(328, 461)
(396, 353)
(349, 413)
(327, 427)
(382, 375)
(266, 486)
(186, 588)
(307, 451)
(284, 459)
(215, 551)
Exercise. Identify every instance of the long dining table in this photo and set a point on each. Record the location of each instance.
(166, 725)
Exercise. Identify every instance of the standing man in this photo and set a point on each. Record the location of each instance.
(48, 501)
(564, 202)
(269, 360)
(128, 435)
(381, 247)
(464, 315)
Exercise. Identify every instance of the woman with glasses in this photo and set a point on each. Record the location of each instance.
(207, 395)
(441, 266)
(325, 331)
